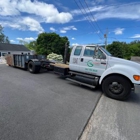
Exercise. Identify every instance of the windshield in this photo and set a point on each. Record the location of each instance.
(106, 51)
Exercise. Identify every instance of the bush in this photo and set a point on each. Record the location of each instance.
(55, 57)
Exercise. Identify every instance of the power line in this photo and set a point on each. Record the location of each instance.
(127, 27)
(93, 17)
(120, 4)
(84, 13)
(114, 38)
(90, 20)
(125, 38)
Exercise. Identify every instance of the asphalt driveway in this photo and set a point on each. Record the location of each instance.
(42, 106)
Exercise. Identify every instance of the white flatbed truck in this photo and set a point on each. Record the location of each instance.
(96, 66)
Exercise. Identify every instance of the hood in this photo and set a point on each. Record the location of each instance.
(115, 60)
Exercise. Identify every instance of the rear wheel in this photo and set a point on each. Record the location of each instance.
(32, 68)
(116, 87)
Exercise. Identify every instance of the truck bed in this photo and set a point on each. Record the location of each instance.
(60, 65)
(61, 69)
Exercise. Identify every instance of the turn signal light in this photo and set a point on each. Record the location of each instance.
(136, 77)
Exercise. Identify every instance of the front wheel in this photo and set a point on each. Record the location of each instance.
(116, 87)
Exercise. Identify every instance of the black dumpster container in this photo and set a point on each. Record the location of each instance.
(21, 60)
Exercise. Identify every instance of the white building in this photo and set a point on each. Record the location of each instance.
(6, 48)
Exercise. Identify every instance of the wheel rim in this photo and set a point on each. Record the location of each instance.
(116, 88)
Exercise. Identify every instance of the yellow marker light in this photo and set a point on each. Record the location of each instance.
(136, 77)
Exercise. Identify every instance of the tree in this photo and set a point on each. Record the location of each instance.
(31, 45)
(116, 49)
(125, 50)
(3, 38)
(134, 49)
(50, 42)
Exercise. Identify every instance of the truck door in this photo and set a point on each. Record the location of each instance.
(75, 58)
(92, 61)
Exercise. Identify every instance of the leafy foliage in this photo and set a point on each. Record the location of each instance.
(31, 45)
(116, 49)
(51, 42)
(124, 50)
(48, 43)
(3, 38)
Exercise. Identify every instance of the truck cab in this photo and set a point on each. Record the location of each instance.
(116, 76)
(89, 59)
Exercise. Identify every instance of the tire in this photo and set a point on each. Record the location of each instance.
(116, 87)
(32, 68)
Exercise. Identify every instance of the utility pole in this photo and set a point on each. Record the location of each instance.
(65, 53)
(105, 36)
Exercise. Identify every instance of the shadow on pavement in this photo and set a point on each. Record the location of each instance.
(134, 98)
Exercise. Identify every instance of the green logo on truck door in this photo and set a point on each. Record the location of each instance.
(90, 63)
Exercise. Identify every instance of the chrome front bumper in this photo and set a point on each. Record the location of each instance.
(136, 88)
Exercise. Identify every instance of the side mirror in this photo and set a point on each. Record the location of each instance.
(95, 53)
(96, 50)
(95, 56)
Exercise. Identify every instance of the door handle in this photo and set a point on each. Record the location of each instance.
(104, 63)
(82, 59)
